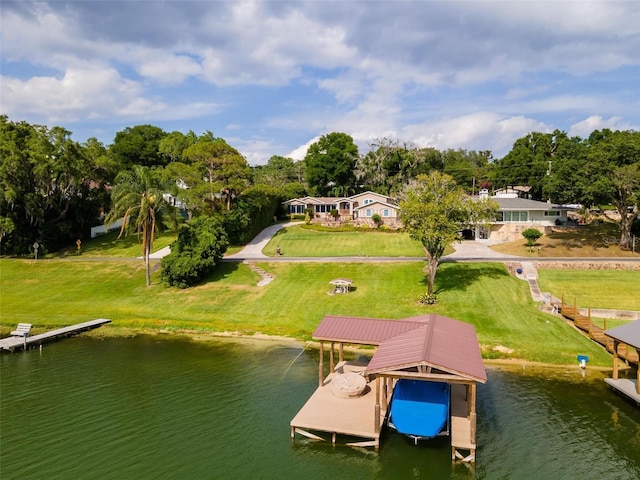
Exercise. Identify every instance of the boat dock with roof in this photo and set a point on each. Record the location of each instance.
(624, 338)
(426, 348)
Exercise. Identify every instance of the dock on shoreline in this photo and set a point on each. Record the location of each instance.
(19, 343)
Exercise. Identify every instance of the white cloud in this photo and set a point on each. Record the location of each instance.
(173, 69)
(596, 122)
(474, 75)
(477, 131)
(300, 152)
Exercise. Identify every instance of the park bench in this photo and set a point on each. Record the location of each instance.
(22, 330)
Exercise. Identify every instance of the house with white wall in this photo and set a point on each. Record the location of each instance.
(518, 214)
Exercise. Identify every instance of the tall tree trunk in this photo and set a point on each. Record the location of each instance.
(432, 268)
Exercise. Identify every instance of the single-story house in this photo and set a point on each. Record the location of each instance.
(518, 214)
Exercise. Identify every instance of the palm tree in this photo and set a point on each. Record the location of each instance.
(137, 199)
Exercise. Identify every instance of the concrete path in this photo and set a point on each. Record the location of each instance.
(475, 250)
(253, 250)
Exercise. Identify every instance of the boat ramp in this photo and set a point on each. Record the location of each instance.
(14, 343)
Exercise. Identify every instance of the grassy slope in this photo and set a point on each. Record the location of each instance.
(612, 289)
(57, 292)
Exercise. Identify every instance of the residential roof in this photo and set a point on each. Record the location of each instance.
(430, 340)
(628, 333)
(377, 202)
(516, 203)
(368, 192)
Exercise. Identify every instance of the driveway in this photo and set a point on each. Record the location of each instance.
(253, 250)
(475, 250)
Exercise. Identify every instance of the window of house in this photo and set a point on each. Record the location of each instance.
(367, 212)
(515, 216)
(367, 201)
(385, 212)
(551, 213)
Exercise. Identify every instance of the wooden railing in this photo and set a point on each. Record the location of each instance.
(595, 332)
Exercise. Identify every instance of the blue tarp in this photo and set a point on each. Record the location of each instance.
(420, 408)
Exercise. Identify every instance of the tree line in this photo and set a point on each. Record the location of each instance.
(55, 189)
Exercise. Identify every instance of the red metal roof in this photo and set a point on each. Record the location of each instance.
(363, 331)
(431, 340)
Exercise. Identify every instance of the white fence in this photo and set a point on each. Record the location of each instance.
(102, 229)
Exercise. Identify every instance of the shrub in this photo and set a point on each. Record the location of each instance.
(429, 299)
(531, 234)
(195, 253)
(377, 219)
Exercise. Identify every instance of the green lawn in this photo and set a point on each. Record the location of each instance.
(109, 245)
(611, 289)
(297, 241)
(51, 293)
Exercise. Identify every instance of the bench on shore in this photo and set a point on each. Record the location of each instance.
(22, 330)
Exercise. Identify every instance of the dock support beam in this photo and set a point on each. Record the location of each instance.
(321, 366)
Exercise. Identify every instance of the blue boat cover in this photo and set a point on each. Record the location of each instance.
(420, 408)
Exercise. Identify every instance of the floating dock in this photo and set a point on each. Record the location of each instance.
(18, 343)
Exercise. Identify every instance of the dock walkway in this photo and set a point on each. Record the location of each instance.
(16, 343)
(625, 386)
(353, 417)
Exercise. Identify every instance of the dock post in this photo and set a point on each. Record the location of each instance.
(376, 425)
(332, 366)
(321, 366)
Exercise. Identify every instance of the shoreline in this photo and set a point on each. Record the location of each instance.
(273, 340)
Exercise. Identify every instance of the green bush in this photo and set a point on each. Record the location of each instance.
(195, 253)
(254, 211)
(531, 235)
(377, 219)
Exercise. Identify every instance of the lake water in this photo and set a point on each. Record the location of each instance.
(154, 408)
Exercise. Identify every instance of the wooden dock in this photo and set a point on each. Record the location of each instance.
(625, 386)
(463, 425)
(324, 413)
(328, 415)
(17, 343)
(595, 332)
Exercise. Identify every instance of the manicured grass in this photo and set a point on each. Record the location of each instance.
(51, 293)
(109, 245)
(596, 240)
(297, 241)
(611, 289)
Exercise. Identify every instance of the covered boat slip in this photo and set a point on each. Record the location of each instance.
(420, 409)
(427, 348)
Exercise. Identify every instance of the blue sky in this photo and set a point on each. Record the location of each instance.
(272, 76)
